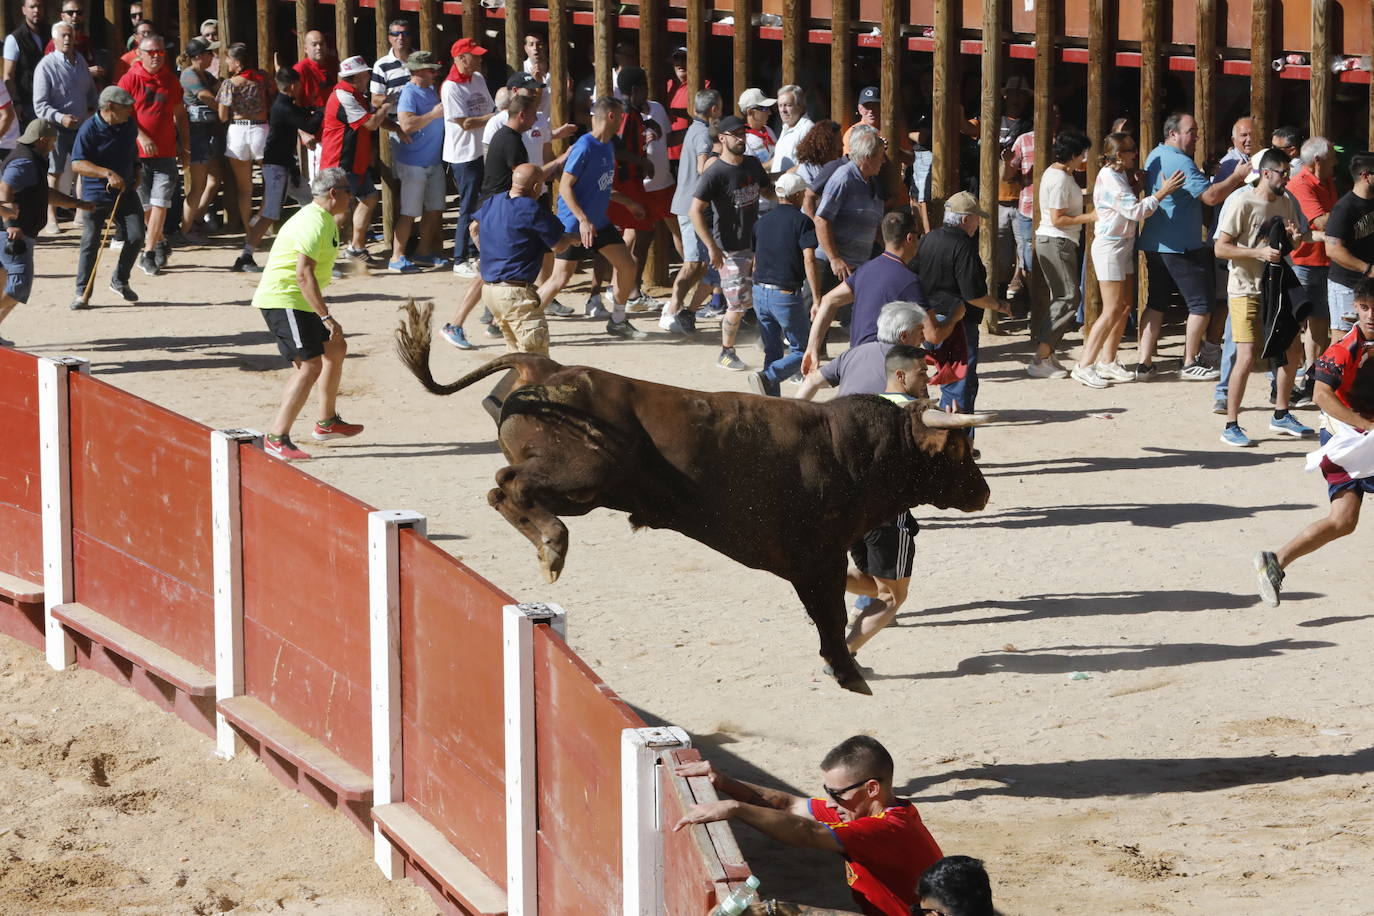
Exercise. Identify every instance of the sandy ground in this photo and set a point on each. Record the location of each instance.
(1215, 759)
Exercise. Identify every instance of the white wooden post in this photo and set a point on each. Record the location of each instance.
(54, 434)
(227, 539)
(641, 816)
(521, 806)
(384, 598)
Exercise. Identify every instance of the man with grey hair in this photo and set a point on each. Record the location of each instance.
(291, 297)
(63, 95)
(795, 126)
(851, 206)
(859, 370)
(105, 156)
(679, 317)
(1314, 189)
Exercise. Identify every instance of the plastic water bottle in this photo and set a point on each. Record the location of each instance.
(740, 898)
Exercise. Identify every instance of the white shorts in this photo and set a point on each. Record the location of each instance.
(422, 188)
(1114, 259)
(245, 142)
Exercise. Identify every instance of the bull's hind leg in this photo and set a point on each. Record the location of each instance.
(821, 590)
(533, 494)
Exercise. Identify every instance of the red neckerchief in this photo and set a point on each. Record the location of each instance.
(762, 135)
(457, 77)
(256, 76)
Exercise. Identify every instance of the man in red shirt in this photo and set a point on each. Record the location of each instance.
(1314, 188)
(346, 141)
(162, 139)
(882, 839)
(1344, 390)
(317, 75)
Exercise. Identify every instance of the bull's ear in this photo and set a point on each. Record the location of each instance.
(931, 441)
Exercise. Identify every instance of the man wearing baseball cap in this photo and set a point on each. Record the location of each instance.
(868, 110)
(759, 139)
(346, 138)
(467, 108)
(784, 258)
(105, 155)
(418, 165)
(23, 183)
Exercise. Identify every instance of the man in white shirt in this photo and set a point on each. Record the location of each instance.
(795, 126)
(467, 108)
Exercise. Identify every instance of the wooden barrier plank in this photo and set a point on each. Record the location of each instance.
(21, 591)
(21, 499)
(172, 668)
(257, 720)
(426, 846)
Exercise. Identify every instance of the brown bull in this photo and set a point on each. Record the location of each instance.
(781, 485)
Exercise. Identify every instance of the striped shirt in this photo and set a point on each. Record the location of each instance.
(389, 75)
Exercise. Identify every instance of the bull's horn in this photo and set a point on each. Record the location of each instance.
(938, 419)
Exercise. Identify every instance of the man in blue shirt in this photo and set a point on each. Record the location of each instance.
(851, 207)
(515, 234)
(1178, 258)
(418, 165)
(105, 155)
(584, 193)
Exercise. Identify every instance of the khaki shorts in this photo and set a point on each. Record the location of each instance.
(517, 312)
(1245, 318)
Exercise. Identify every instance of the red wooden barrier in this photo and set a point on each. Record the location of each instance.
(578, 721)
(21, 525)
(451, 701)
(305, 605)
(140, 483)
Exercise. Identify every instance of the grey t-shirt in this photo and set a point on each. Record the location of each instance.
(696, 142)
(859, 370)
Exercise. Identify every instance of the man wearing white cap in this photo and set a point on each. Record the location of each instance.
(784, 258)
(759, 139)
(346, 138)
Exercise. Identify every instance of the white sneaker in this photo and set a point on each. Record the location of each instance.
(466, 269)
(1087, 375)
(595, 307)
(1115, 372)
(1044, 368)
(643, 303)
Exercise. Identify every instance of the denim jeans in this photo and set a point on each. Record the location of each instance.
(1022, 229)
(467, 177)
(130, 219)
(1228, 361)
(1341, 302)
(964, 392)
(781, 316)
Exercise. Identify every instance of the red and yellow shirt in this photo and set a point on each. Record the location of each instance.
(885, 855)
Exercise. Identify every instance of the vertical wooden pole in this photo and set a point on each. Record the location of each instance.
(223, 14)
(1044, 96)
(382, 19)
(696, 47)
(891, 86)
(1150, 66)
(793, 34)
(560, 109)
(267, 33)
(1097, 129)
(989, 151)
(474, 17)
(1204, 81)
(515, 32)
(944, 169)
(305, 22)
(111, 31)
(744, 51)
(841, 54)
(602, 36)
(1261, 66)
(343, 28)
(187, 27)
(1320, 85)
(428, 39)
(652, 58)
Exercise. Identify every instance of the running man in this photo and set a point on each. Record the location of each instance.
(291, 297)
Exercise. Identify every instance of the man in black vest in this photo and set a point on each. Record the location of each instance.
(23, 50)
(24, 185)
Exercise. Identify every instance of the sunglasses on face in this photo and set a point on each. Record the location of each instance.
(398, 34)
(837, 795)
(71, 12)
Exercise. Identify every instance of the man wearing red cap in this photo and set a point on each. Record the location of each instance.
(467, 108)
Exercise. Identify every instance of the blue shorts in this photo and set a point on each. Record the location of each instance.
(1192, 275)
(361, 186)
(19, 267)
(1360, 485)
(693, 248)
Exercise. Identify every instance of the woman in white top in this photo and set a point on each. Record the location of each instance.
(1056, 249)
(1118, 210)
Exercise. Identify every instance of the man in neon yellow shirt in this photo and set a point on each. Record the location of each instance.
(291, 297)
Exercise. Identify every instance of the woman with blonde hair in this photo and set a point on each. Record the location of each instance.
(1113, 253)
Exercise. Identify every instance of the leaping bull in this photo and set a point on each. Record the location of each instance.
(780, 485)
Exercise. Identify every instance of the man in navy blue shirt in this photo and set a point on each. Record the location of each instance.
(105, 155)
(784, 258)
(516, 233)
(584, 194)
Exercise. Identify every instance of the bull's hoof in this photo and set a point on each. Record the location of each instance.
(856, 684)
(551, 559)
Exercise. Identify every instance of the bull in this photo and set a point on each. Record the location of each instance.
(779, 485)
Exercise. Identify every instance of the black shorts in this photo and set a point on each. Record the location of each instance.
(300, 335)
(888, 551)
(605, 237)
(1193, 275)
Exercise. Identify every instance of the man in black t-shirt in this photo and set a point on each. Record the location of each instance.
(1350, 243)
(731, 186)
(507, 149)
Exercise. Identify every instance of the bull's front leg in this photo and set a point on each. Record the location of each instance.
(821, 589)
(545, 530)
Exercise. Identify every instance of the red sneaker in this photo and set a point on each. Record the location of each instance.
(335, 428)
(283, 448)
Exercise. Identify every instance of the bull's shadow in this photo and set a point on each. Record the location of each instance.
(1066, 659)
(1146, 515)
(1157, 459)
(1087, 604)
(1119, 777)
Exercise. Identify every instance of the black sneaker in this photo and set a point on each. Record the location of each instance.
(161, 253)
(122, 287)
(244, 263)
(624, 330)
(1270, 577)
(147, 263)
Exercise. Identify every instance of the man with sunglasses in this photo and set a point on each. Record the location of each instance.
(74, 16)
(885, 845)
(163, 138)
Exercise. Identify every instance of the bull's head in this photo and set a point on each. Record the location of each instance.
(948, 476)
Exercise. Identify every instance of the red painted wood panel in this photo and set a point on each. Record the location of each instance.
(305, 604)
(453, 737)
(21, 505)
(141, 518)
(687, 882)
(578, 720)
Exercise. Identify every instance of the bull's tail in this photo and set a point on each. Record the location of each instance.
(413, 339)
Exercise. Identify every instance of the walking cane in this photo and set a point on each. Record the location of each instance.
(104, 240)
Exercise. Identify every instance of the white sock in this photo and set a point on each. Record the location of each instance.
(618, 312)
